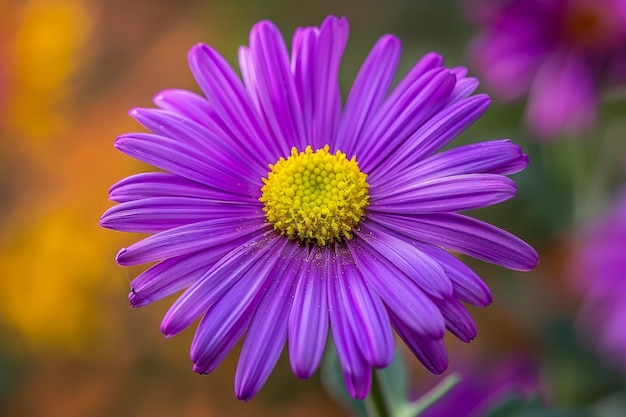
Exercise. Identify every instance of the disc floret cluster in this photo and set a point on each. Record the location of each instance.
(315, 196)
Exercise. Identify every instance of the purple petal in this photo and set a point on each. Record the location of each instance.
(304, 45)
(168, 277)
(174, 274)
(365, 313)
(159, 184)
(368, 91)
(357, 373)
(156, 214)
(458, 320)
(402, 113)
(358, 380)
(468, 286)
(199, 110)
(464, 235)
(493, 157)
(430, 352)
(422, 72)
(208, 135)
(315, 63)
(275, 86)
(429, 61)
(436, 133)
(308, 319)
(248, 75)
(190, 238)
(422, 269)
(194, 135)
(399, 293)
(234, 109)
(227, 319)
(464, 87)
(218, 332)
(248, 265)
(459, 72)
(267, 333)
(188, 161)
(186, 103)
(453, 193)
(232, 314)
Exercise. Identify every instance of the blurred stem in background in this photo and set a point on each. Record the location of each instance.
(584, 167)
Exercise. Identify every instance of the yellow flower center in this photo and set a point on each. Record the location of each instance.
(315, 196)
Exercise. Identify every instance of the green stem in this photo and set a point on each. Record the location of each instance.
(377, 407)
(415, 408)
(375, 401)
(579, 165)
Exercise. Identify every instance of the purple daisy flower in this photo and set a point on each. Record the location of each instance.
(559, 52)
(598, 269)
(283, 213)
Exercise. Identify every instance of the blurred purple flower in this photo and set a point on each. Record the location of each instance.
(482, 388)
(598, 267)
(558, 52)
(273, 231)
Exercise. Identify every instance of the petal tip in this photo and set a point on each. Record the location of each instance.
(198, 47)
(119, 258)
(484, 98)
(103, 222)
(167, 332)
(159, 97)
(120, 142)
(262, 28)
(390, 39)
(433, 56)
(438, 368)
(360, 391)
(523, 161)
(134, 112)
(530, 262)
(135, 300)
(199, 369)
(302, 372)
(488, 299)
(195, 52)
(244, 393)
